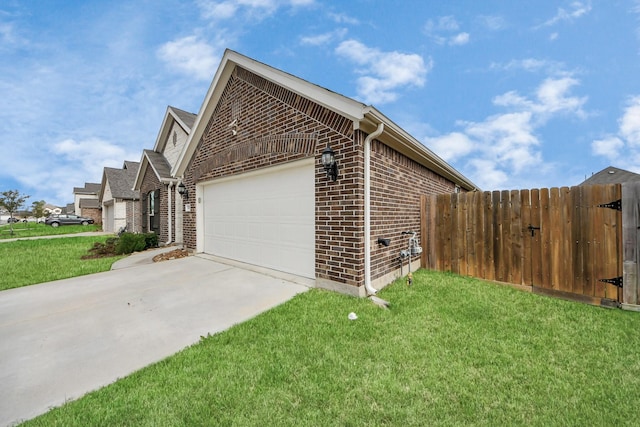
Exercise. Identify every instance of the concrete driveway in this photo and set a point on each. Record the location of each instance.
(62, 339)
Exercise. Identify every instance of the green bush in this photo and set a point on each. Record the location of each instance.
(135, 242)
(130, 242)
(150, 240)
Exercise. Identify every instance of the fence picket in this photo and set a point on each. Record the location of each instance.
(554, 239)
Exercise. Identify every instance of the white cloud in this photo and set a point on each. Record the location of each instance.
(623, 149)
(608, 147)
(192, 56)
(325, 38)
(552, 96)
(493, 22)
(451, 146)
(440, 30)
(630, 122)
(255, 9)
(505, 146)
(383, 73)
(459, 39)
(576, 10)
(342, 18)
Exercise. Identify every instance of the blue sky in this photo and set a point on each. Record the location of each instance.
(512, 94)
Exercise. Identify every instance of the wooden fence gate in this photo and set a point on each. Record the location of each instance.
(561, 241)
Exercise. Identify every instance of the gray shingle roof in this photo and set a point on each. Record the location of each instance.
(611, 175)
(89, 188)
(159, 164)
(121, 181)
(89, 203)
(186, 117)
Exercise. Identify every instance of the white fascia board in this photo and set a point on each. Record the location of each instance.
(141, 170)
(164, 130)
(331, 100)
(399, 139)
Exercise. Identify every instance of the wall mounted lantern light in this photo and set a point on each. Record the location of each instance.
(182, 190)
(329, 163)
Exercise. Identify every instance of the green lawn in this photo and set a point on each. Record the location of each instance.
(26, 262)
(32, 229)
(449, 351)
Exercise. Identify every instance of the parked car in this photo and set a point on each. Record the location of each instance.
(12, 219)
(67, 219)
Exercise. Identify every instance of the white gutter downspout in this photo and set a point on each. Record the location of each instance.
(367, 209)
(170, 186)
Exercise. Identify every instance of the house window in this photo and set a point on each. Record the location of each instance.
(152, 203)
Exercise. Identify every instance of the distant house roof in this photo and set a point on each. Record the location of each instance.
(89, 188)
(89, 203)
(611, 175)
(121, 181)
(155, 158)
(71, 208)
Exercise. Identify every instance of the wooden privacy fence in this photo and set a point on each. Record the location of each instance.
(562, 241)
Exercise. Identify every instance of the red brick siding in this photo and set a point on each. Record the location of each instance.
(263, 109)
(396, 185)
(93, 213)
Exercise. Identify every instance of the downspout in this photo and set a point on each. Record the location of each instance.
(169, 187)
(367, 208)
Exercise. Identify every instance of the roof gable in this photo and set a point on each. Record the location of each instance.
(366, 118)
(120, 181)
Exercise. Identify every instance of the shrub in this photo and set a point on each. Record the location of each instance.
(150, 240)
(130, 242)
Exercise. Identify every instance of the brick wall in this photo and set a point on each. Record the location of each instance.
(133, 216)
(269, 116)
(93, 213)
(397, 183)
(150, 182)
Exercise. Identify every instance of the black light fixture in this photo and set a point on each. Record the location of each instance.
(182, 190)
(329, 163)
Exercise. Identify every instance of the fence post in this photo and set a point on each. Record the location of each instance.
(630, 224)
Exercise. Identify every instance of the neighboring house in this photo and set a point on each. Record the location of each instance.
(257, 192)
(90, 191)
(611, 175)
(90, 208)
(50, 209)
(161, 205)
(119, 202)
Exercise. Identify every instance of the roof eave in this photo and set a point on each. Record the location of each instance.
(398, 139)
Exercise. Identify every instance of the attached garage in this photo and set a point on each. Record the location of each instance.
(108, 215)
(265, 218)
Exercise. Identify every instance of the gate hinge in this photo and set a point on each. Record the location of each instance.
(615, 205)
(617, 281)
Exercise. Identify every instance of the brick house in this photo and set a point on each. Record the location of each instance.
(119, 202)
(257, 191)
(161, 205)
(85, 202)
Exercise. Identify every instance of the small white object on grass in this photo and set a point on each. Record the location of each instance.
(352, 316)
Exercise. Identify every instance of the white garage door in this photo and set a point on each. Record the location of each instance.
(108, 219)
(265, 218)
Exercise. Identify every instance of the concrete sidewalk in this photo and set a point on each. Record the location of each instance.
(62, 339)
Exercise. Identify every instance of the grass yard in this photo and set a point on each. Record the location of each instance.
(450, 351)
(32, 229)
(27, 262)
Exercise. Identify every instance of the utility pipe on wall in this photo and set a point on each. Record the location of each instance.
(367, 208)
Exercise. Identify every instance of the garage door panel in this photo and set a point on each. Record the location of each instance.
(266, 219)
